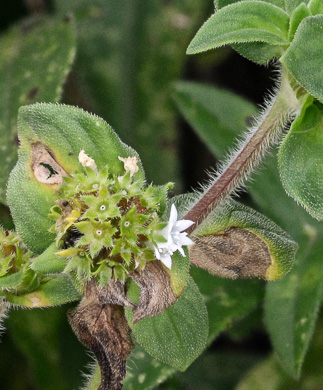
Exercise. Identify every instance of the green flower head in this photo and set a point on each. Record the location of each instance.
(107, 224)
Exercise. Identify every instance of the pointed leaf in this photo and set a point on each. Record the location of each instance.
(316, 7)
(33, 66)
(51, 138)
(301, 159)
(53, 291)
(179, 334)
(212, 111)
(11, 281)
(303, 57)
(250, 21)
(259, 52)
(48, 262)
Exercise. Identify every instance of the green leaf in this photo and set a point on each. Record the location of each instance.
(303, 57)
(252, 21)
(258, 247)
(48, 262)
(297, 16)
(226, 300)
(316, 7)
(144, 372)
(291, 5)
(11, 281)
(269, 369)
(301, 159)
(34, 63)
(179, 273)
(179, 334)
(277, 378)
(222, 3)
(259, 52)
(211, 111)
(54, 290)
(51, 138)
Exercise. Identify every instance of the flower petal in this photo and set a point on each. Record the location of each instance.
(186, 241)
(166, 260)
(173, 214)
(181, 225)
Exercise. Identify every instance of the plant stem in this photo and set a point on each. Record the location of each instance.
(241, 163)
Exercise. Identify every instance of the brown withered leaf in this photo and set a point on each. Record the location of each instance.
(237, 253)
(114, 293)
(156, 293)
(103, 328)
(45, 167)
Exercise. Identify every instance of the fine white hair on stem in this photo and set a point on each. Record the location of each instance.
(4, 306)
(267, 128)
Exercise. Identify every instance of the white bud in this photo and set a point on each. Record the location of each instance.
(130, 164)
(86, 161)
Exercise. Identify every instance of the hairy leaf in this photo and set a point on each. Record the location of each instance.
(303, 57)
(301, 159)
(48, 262)
(11, 281)
(251, 21)
(259, 52)
(316, 7)
(222, 3)
(179, 334)
(54, 290)
(35, 59)
(297, 16)
(51, 138)
(212, 110)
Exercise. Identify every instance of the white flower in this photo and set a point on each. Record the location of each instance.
(175, 239)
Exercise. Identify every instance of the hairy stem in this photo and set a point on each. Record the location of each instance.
(241, 163)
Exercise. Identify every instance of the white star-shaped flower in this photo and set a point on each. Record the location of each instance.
(175, 239)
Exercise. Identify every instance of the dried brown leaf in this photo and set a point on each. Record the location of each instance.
(237, 253)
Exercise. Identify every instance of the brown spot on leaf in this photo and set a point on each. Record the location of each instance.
(103, 329)
(32, 93)
(238, 253)
(44, 165)
(156, 293)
